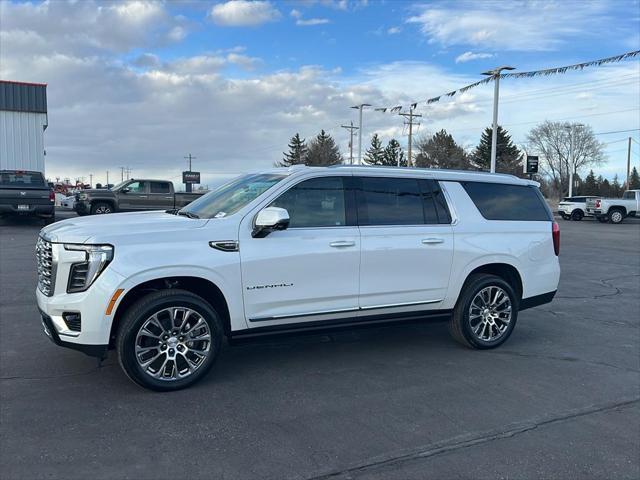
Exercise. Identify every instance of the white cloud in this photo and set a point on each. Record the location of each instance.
(394, 30)
(312, 21)
(88, 27)
(300, 21)
(524, 26)
(239, 13)
(468, 56)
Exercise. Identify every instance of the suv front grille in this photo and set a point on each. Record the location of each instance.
(46, 267)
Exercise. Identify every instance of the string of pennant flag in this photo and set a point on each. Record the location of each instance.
(534, 73)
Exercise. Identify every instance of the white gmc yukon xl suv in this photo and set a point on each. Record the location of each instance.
(292, 250)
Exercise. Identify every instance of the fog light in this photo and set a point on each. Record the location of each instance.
(72, 319)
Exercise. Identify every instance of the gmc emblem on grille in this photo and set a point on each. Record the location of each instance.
(23, 193)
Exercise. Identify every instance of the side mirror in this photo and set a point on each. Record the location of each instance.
(125, 190)
(269, 220)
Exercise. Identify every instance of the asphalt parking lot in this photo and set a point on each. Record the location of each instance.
(561, 399)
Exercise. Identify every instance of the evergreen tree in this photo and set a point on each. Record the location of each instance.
(590, 186)
(634, 181)
(508, 157)
(394, 155)
(605, 188)
(323, 151)
(297, 152)
(441, 151)
(599, 182)
(375, 153)
(616, 188)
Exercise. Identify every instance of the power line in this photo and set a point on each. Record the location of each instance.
(619, 131)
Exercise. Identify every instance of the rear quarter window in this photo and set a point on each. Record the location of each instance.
(497, 201)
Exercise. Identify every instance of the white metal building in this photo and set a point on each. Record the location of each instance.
(23, 120)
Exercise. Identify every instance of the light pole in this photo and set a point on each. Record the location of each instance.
(360, 107)
(572, 160)
(495, 73)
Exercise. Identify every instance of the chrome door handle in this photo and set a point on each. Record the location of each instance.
(430, 241)
(342, 243)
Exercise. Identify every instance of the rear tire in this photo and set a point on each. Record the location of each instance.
(179, 330)
(480, 321)
(577, 215)
(616, 216)
(564, 216)
(101, 208)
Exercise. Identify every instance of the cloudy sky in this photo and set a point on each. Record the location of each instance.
(142, 83)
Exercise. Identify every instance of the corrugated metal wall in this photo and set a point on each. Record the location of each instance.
(23, 97)
(22, 140)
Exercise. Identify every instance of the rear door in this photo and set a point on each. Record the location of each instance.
(407, 243)
(160, 195)
(137, 198)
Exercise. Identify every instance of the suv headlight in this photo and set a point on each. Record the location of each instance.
(83, 274)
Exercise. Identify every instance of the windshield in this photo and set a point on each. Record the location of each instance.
(120, 185)
(228, 199)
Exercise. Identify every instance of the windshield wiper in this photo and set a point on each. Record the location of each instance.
(188, 214)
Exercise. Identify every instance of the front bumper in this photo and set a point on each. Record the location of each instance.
(81, 206)
(95, 324)
(50, 330)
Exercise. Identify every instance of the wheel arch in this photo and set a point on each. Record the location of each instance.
(506, 271)
(620, 208)
(202, 287)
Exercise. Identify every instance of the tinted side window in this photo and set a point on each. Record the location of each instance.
(160, 187)
(444, 216)
(497, 201)
(390, 201)
(629, 195)
(318, 202)
(137, 187)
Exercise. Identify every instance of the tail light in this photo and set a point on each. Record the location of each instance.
(52, 196)
(597, 204)
(555, 233)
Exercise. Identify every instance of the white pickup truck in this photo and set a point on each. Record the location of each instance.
(615, 210)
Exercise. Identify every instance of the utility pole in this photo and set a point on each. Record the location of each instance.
(91, 180)
(410, 116)
(122, 174)
(128, 172)
(189, 186)
(107, 178)
(629, 164)
(351, 128)
(360, 107)
(495, 73)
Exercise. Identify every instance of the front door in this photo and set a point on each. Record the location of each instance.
(310, 271)
(407, 244)
(137, 197)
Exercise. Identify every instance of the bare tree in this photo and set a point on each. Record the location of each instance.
(552, 140)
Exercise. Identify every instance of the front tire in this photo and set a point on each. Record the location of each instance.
(101, 208)
(486, 312)
(168, 340)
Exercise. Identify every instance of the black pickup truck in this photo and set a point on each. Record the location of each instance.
(26, 193)
(132, 195)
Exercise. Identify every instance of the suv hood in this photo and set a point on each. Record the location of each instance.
(105, 228)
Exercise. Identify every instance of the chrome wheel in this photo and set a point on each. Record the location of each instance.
(490, 313)
(616, 216)
(102, 209)
(173, 343)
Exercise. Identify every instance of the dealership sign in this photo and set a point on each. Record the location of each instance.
(532, 164)
(190, 177)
